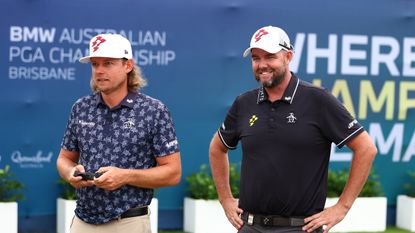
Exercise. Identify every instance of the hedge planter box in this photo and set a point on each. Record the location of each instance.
(205, 216)
(8, 217)
(154, 207)
(66, 208)
(64, 214)
(366, 214)
(405, 212)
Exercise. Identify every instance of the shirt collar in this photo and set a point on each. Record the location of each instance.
(289, 93)
(128, 100)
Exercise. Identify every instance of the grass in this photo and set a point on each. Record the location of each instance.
(392, 229)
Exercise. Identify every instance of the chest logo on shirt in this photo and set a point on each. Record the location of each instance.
(252, 120)
(86, 123)
(128, 124)
(291, 119)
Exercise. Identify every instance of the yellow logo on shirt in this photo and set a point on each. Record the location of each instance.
(252, 120)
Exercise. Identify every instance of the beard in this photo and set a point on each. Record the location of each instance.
(275, 80)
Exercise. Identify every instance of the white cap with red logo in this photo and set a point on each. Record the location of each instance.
(271, 39)
(108, 45)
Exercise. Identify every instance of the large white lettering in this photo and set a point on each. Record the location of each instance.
(26, 54)
(349, 54)
(63, 50)
(150, 57)
(388, 58)
(42, 73)
(35, 34)
(329, 53)
(386, 144)
(141, 38)
(359, 54)
(395, 139)
(408, 57)
(410, 151)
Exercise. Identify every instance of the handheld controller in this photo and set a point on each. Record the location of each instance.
(87, 175)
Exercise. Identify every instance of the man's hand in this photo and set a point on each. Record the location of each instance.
(112, 178)
(328, 218)
(77, 182)
(233, 212)
(364, 151)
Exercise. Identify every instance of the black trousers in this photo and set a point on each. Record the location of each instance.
(261, 229)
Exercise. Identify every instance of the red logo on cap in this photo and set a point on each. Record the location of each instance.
(261, 33)
(95, 45)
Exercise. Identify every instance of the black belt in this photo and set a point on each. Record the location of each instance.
(272, 220)
(135, 212)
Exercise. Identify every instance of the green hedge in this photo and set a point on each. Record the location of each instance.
(202, 186)
(337, 180)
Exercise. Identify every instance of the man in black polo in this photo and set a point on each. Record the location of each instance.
(286, 128)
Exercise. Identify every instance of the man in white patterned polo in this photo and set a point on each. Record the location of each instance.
(119, 144)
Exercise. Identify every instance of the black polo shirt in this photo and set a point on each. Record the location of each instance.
(286, 147)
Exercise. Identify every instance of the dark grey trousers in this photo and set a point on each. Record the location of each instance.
(261, 229)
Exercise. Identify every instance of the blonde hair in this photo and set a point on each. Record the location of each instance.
(135, 80)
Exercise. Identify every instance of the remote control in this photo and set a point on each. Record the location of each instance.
(84, 175)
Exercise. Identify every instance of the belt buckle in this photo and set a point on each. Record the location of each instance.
(250, 219)
(266, 221)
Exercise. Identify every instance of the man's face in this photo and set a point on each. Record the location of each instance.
(110, 74)
(270, 69)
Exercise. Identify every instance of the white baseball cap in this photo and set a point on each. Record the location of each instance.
(108, 45)
(271, 39)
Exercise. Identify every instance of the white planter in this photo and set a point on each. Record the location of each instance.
(205, 216)
(154, 207)
(8, 217)
(405, 212)
(65, 212)
(366, 214)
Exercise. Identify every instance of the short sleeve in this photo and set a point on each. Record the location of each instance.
(228, 132)
(70, 141)
(336, 122)
(164, 135)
